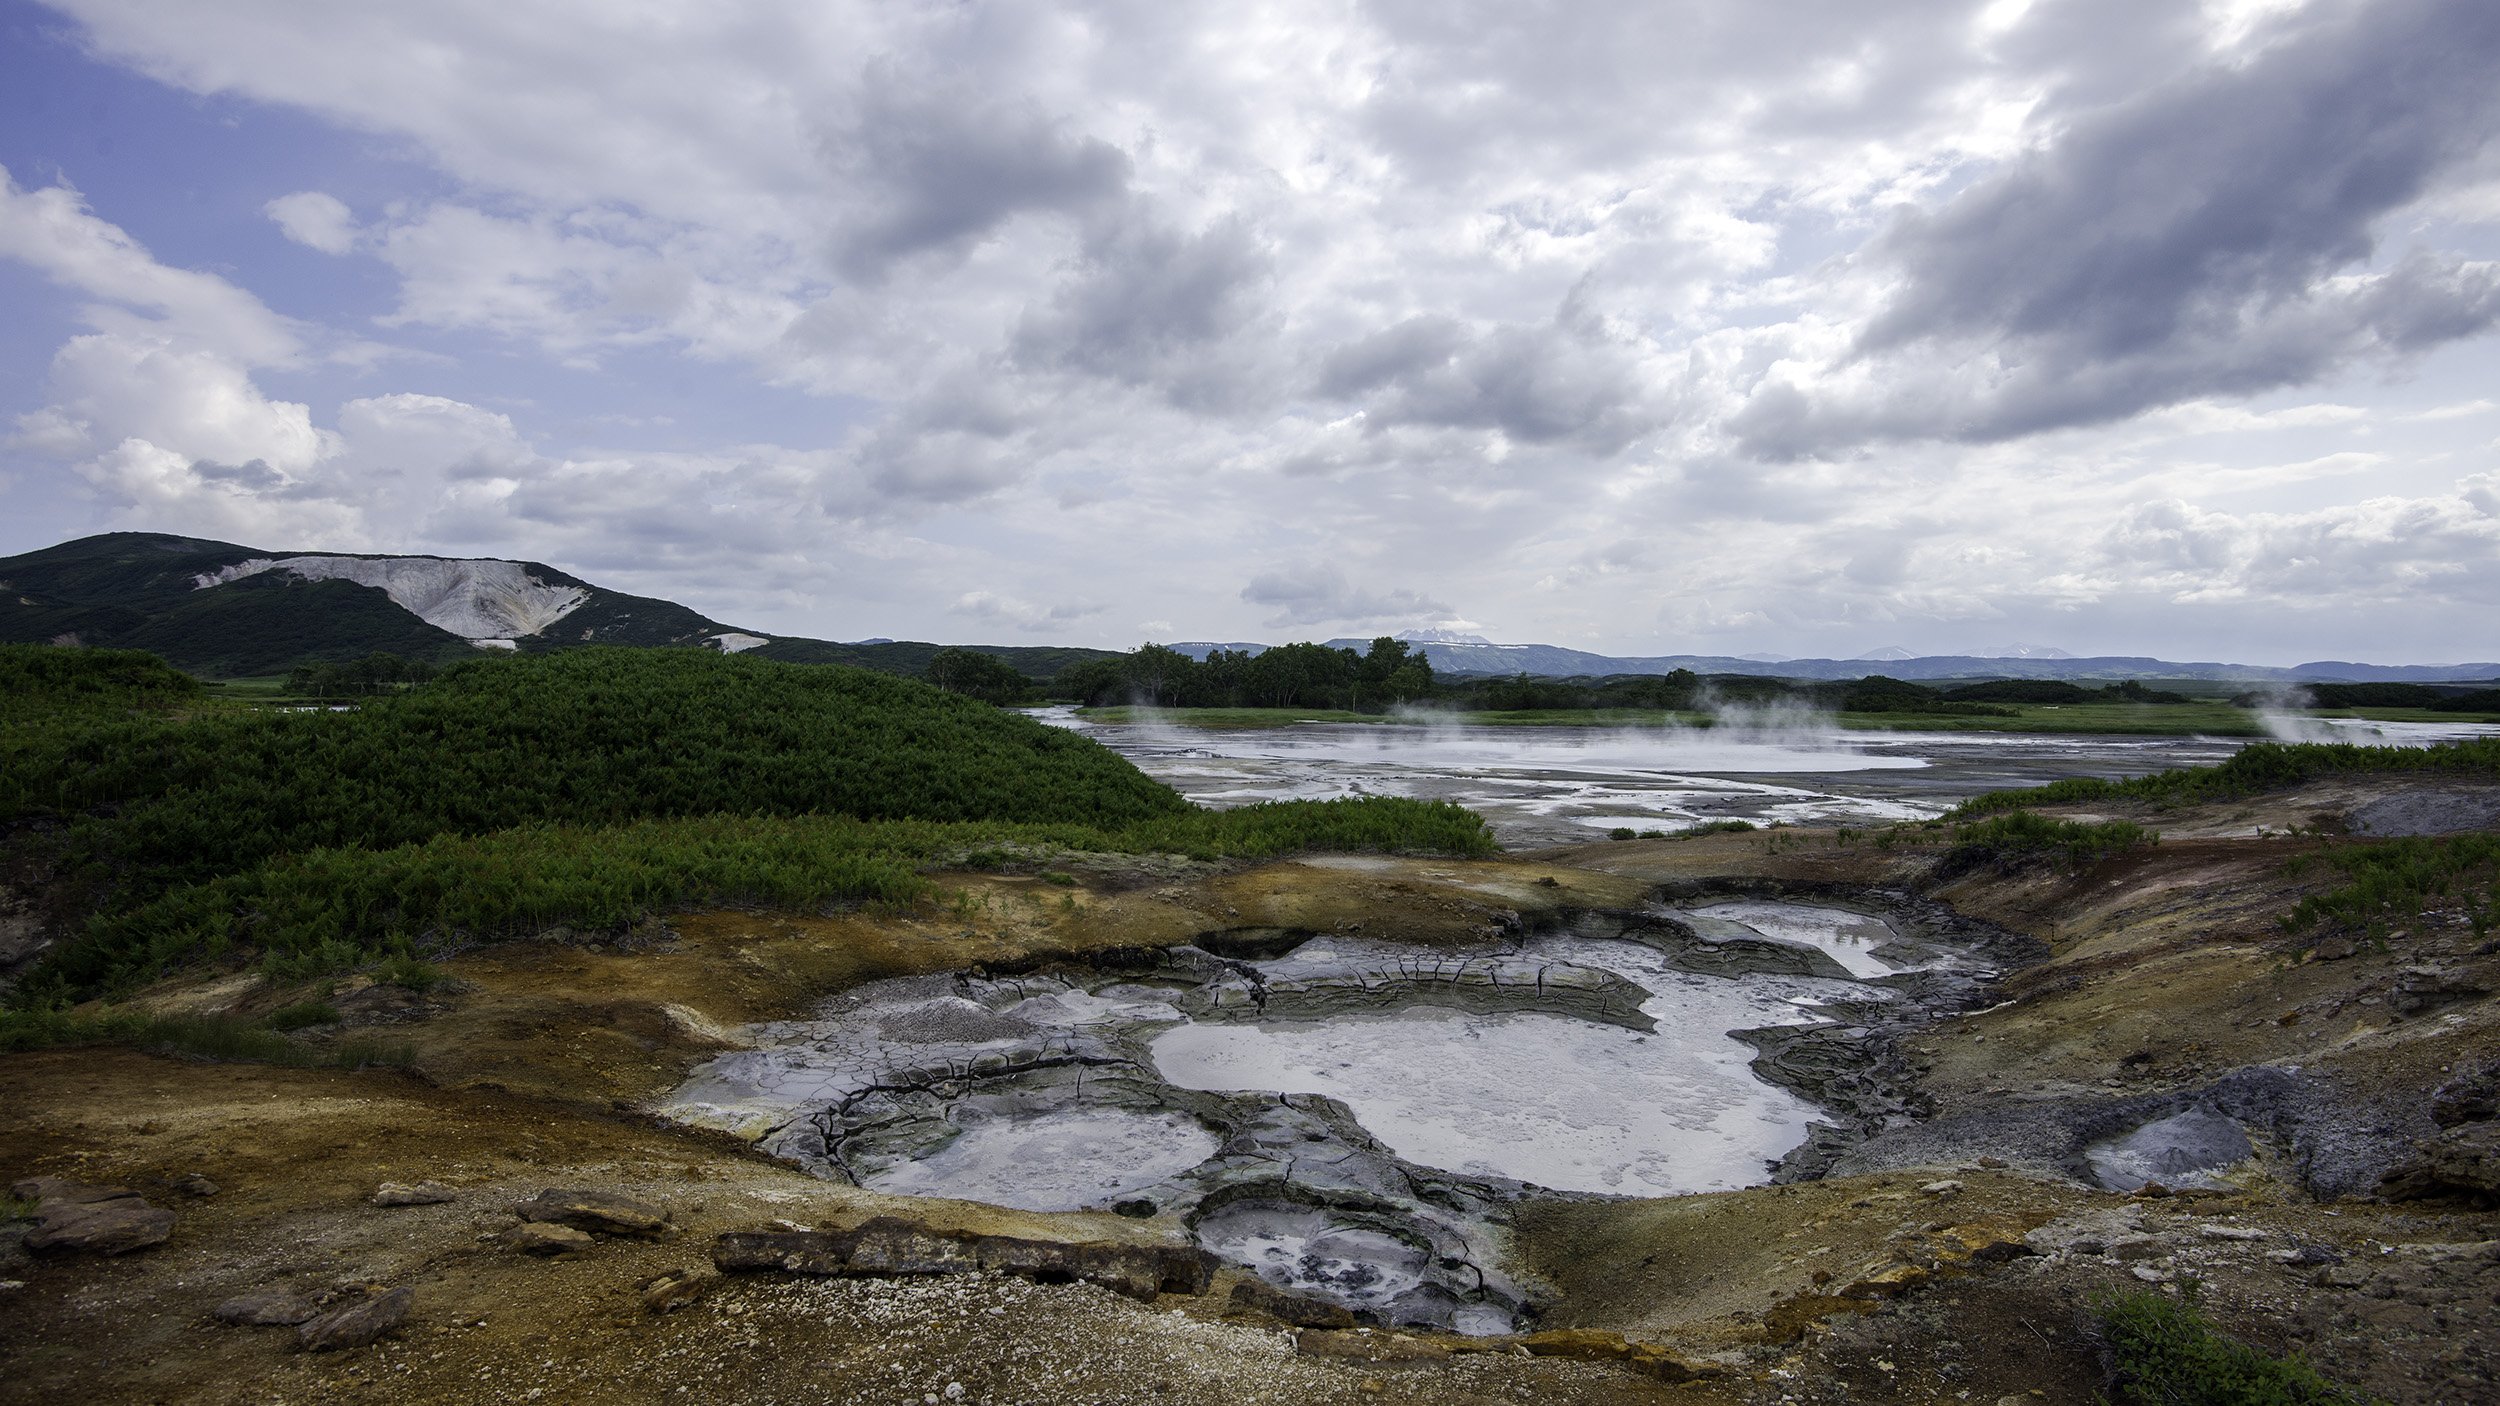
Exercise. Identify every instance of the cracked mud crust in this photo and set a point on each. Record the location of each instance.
(1949, 1254)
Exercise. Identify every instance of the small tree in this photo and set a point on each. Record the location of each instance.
(977, 675)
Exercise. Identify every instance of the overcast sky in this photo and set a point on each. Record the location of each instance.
(1796, 326)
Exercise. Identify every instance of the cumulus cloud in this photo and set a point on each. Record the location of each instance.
(2213, 235)
(54, 230)
(941, 165)
(1637, 321)
(315, 220)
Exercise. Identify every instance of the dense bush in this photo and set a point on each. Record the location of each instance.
(2252, 771)
(1288, 676)
(2389, 882)
(583, 737)
(2165, 1353)
(588, 788)
(2022, 835)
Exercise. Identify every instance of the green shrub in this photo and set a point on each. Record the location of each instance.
(2023, 835)
(589, 788)
(2389, 883)
(336, 909)
(223, 1038)
(302, 1015)
(2165, 1353)
(2252, 771)
(400, 969)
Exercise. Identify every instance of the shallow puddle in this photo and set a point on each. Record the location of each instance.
(1058, 1160)
(1346, 1118)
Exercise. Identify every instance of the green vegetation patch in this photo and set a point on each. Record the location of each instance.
(2392, 881)
(223, 1038)
(2023, 836)
(2165, 1352)
(587, 788)
(584, 737)
(2253, 771)
(334, 909)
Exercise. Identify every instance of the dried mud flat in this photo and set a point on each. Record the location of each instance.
(1949, 1256)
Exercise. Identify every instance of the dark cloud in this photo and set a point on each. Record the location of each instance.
(1314, 595)
(251, 476)
(1153, 305)
(940, 166)
(2205, 238)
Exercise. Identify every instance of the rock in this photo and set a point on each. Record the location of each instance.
(1940, 1188)
(2333, 949)
(1987, 1244)
(2230, 1232)
(679, 1288)
(2422, 989)
(889, 1246)
(542, 1238)
(1790, 1317)
(1293, 1309)
(195, 1185)
(2464, 1159)
(1591, 1345)
(595, 1211)
(266, 1308)
(1887, 1283)
(49, 1189)
(420, 1193)
(1365, 1345)
(2470, 1097)
(96, 1220)
(357, 1324)
(2139, 1249)
(1994, 1163)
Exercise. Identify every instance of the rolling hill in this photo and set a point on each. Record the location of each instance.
(231, 611)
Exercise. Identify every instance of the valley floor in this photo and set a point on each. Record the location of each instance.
(1953, 1260)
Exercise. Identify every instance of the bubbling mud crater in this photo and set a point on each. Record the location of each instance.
(1350, 1118)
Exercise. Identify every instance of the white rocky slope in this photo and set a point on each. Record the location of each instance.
(476, 600)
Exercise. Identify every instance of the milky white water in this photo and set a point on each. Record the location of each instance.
(1054, 1161)
(1848, 938)
(1560, 1102)
(1557, 785)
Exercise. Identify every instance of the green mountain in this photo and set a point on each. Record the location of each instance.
(230, 611)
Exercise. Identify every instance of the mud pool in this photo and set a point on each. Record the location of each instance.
(1558, 785)
(1351, 1118)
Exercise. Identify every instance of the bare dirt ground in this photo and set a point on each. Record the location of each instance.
(1954, 1262)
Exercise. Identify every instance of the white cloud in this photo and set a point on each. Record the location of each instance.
(315, 220)
(1371, 307)
(53, 230)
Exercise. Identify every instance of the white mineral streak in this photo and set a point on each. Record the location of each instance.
(1848, 938)
(735, 643)
(483, 601)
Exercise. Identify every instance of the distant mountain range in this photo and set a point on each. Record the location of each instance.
(232, 611)
(2035, 662)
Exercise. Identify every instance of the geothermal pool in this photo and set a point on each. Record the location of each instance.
(1347, 1118)
(1559, 785)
